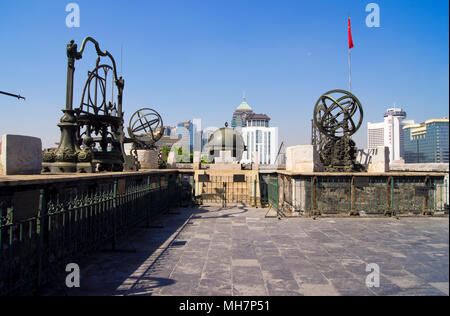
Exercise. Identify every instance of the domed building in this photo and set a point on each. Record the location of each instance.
(226, 140)
(258, 136)
(240, 115)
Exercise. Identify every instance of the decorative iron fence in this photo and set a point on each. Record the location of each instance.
(44, 227)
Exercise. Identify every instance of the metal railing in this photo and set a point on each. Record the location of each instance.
(225, 190)
(45, 227)
(369, 195)
(273, 192)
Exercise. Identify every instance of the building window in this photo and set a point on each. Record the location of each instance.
(258, 137)
(248, 145)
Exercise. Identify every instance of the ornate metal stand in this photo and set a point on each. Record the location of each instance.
(78, 150)
(335, 115)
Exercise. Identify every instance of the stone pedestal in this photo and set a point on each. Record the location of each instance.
(20, 155)
(303, 158)
(255, 161)
(171, 160)
(131, 163)
(148, 159)
(225, 157)
(196, 160)
(379, 162)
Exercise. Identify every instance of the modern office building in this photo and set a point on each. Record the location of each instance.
(389, 133)
(185, 132)
(258, 136)
(169, 138)
(427, 142)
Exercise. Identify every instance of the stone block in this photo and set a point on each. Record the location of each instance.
(197, 159)
(225, 156)
(20, 155)
(255, 160)
(148, 159)
(171, 159)
(419, 167)
(379, 161)
(225, 167)
(303, 158)
(374, 160)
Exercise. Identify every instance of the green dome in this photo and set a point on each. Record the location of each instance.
(244, 106)
(226, 139)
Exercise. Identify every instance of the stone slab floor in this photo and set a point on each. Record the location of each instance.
(237, 251)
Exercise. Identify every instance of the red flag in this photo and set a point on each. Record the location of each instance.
(350, 40)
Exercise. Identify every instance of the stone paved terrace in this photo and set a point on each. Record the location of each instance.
(237, 251)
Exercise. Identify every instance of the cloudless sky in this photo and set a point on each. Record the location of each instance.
(193, 58)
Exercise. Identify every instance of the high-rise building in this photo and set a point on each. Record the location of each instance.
(185, 131)
(169, 137)
(389, 133)
(427, 142)
(258, 136)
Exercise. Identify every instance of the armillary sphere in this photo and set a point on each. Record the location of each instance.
(338, 113)
(146, 126)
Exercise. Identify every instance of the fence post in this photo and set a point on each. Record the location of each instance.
(160, 202)
(388, 210)
(148, 190)
(114, 213)
(426, 210)
(224, 196)
(393, 212)
(353, 212)
(315, 212)
(312, 197)
(42, 215)
(193, 196)
(390, 197)
(254, 194)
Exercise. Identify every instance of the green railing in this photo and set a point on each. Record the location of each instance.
(227, 189)
(273, 193)
(370, 195)
(45, 227)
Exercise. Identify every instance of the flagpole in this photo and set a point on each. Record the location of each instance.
(350, 70)
(349, 56)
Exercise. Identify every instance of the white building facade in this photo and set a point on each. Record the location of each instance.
(258, 136)
(389, 133)
(263, 141)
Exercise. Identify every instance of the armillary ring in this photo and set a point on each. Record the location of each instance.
(144, 123)
(336, 112)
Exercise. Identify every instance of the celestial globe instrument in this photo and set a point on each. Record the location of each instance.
(338, 114)
(146, 128)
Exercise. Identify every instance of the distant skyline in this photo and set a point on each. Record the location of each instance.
(194, 58)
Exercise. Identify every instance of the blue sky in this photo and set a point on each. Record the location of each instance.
(193, 58)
